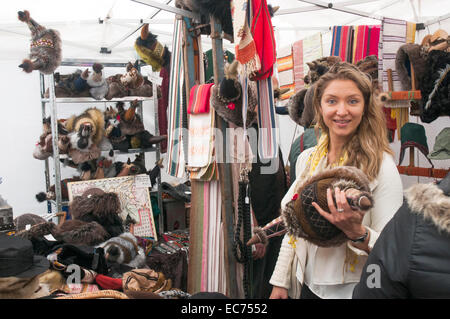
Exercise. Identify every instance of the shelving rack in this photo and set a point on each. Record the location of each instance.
(53, 103)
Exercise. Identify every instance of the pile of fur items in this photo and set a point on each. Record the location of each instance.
(45, 49)
(93, 83)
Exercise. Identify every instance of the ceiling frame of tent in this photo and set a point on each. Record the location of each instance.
(317, 8)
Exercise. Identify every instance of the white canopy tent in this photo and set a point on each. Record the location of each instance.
(88, 28)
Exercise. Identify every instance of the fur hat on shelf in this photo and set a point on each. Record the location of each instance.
(124, 249)
(45, 50)
(22, 221)
(226, 98)
(303, 220)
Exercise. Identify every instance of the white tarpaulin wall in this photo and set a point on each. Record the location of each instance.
(88, 26)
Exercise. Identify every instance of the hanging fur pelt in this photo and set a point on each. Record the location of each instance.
(45, 50)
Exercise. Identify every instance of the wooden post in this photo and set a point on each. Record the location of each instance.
(225, 175)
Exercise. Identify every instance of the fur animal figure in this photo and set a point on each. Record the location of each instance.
(97, 82)
(44, 148)
(319, 67)
(151, 50)
(50, 195)
(130, 122)
(71, 85)
(45, 50)
(124, 249)
(136, 84)
(86, 129)
(99, 206)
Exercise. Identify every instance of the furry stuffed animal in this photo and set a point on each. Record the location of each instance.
(99, 206)
(151, 50)
(44, 148)
(50, 195)
(124, 249)
(97, 82)
(86, 129)
(319, 67)
(45, 51)
(71, 85)
(135, 83)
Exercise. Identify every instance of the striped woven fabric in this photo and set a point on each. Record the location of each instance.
(175, 152)
(342, 42)
(285, 63)
(268, 130)
(297, 57)
(393, 35)
(199, 98)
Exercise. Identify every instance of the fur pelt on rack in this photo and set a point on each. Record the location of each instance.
(45, 51)
(86, 129)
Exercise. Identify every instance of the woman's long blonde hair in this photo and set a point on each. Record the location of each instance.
(366, 147)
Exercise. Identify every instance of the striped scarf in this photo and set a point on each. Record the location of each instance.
(175, 151)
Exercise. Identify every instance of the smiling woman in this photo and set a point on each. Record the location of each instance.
(353, 134)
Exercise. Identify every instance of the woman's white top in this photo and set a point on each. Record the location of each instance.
(334, 272)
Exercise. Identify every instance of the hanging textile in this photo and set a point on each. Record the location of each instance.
(176, 159)
(297, 57)
(267, 125)
(262, 32)
(312, 50)
(285, 66)
(374, 40)
(342, 42)
(245, 47)
(199, 98)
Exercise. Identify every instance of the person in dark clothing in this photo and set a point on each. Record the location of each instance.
(267, 190)
(411, 258)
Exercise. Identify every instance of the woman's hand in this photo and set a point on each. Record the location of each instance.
(342, 215)
(279, 293)
(260, 251)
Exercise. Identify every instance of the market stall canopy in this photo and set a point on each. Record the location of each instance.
(111, 26)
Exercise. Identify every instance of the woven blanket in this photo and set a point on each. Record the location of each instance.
(268, 130)
(341, 43)
(297, 58)
(285, 64)
(199, 98)
(175, 159)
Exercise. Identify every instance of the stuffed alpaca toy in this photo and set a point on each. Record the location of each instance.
(45, 51)
(124, 249)
(97, 82)
(151, 50)
(71, 85)
(86, 129)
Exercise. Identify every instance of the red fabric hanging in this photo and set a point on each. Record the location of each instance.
(262, 32)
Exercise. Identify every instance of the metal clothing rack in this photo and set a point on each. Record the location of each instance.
(53, 103)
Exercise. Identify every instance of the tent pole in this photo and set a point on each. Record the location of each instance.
(317, 8)
(341, 8)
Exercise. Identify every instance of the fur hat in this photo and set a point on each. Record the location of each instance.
(319, 67)
(369, 65)
(124, 249)
(303, 220)
(96, 205)
(77, 232)
(407, 55)
(27, 219)
(300, 107)
(435, 85)
(226, 98)
(45, 50)
(151, 50)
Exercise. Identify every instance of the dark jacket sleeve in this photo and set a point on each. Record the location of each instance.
(385, 274)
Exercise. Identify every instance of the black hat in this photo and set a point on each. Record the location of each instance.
(17, 258)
